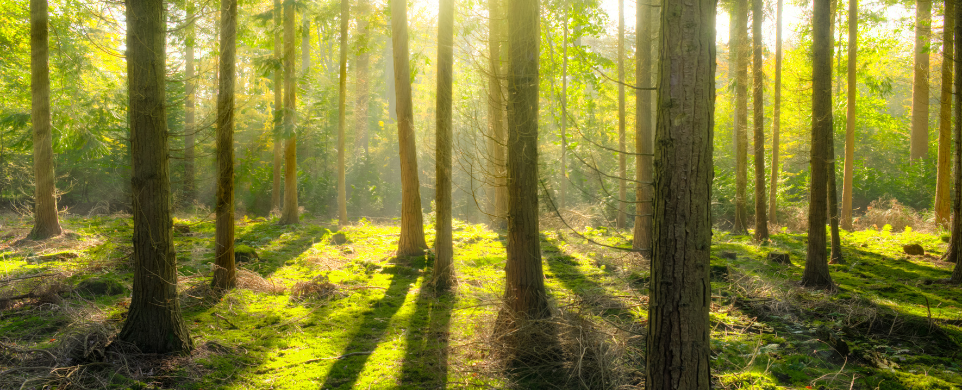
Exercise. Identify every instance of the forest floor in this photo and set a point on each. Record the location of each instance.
(320, 310)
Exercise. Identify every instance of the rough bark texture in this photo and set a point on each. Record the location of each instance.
(622, 160)
(678, 333)
(944, 171)
(289, 214)
(46, 223)
(643, 138)
(412, 241)
(190, 188)
(154, 323)
(361, 73)
(816, 264)
(278, 111)
(955, 243)
(847, 177)
(524, 291)
(341, 98)
(758, 110)
(443, 277)
(225, 273)
(776, 114)
(919, 146)
(496, 115)
(741, 115)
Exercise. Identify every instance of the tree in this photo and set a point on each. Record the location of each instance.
(498, 197)
(412, 241)
(776, 113)
(154, 323)
(850, 124)
(678, 336)
(816, 273)
(525, 294)
(289, 214)
(225, 273)
(758, 109)
(278, 111)
(361, 70)
(342, 95)
(46, 223)
(190, 191)
(563, 193)
(945, 121)
(444, 252)
(622, 162)
(920, 88)
(955, 242)
(741, 115)
(643, 138)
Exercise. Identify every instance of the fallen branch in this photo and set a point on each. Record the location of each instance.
(11, 280)
(339, 357)
(226, 320)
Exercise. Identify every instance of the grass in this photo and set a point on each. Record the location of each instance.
(314, 314)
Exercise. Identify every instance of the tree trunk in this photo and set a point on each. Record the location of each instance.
(758, 89)
(45, 220)
(278, 111)
(678, 333)
(955, 243)
(412, 241)
(496, 114)
(362, 66)
(225, 273)
(443, 277)
(342, 96)
(289, 214)
(836, 255)
(816, 264)
(850, 126)
(920, 90)
(741, 113)
(563, 195)
(154, 323)
(189, 104)
(643, 139)
(622, 160)
(945, 121)
(776, 114)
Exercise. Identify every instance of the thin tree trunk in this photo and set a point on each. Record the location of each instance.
(225, 273)
(46, 223)
(278, 111)
(443, 277)
(678, 335)
(562, 198)
(741, 113)
(836, 255)
(362, 66)
(758, 89)
(342, 96)
(943, 176)
(189, 105)
(816, 273)
(955, 245)
(622, 159)
(776, 114)
(850, 125)
(496, 114)
(154, 323)
(641, 240)
(289, 214)
(412, 241)
(920, 91)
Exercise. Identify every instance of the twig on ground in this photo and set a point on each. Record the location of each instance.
(226, 320)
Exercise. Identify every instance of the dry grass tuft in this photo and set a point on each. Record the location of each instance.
(253, 281)
(36, 289)
(883, 212)
(318, 288)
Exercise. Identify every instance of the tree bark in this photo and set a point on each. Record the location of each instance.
(850, 125)
(641, 240)
(154, 323)
(190, 188)
(741, 114)
(776, 114)
(758, 89)
(342, 96)
(944, 172)
(836, 254)
(496, 114)
(443, 277)
(678, 334)
(920, 91)
(278, 111)
(412, 241)
(955, 243)
(46, 223)
(225, 273)
(289, 214)
(816, 273)
(622, 159)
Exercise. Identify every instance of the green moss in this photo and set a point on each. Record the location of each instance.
(747, 381)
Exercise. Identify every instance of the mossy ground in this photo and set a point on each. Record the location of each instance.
(382, 327)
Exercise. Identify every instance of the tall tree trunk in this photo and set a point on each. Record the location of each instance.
(45, 220)
(289, 214)
(678, 335)
(496, 114)
(412, 241)
(641, 240)
(443, 277)
(622, 160)
(776, 114)
(225, 273)
(305, 47)
(920, 90)
(525, 294)
(850, 125)
(836, 255)
(361, 72)
(154, 323)
(741, 113)
(278, 111)
(342, 96)
(758, 110)
(189, 106)
(816, 264)
(563, 196)
(945, 121)
(955, 243)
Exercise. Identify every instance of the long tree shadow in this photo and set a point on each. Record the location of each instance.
(277, 254)
(428, 334)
